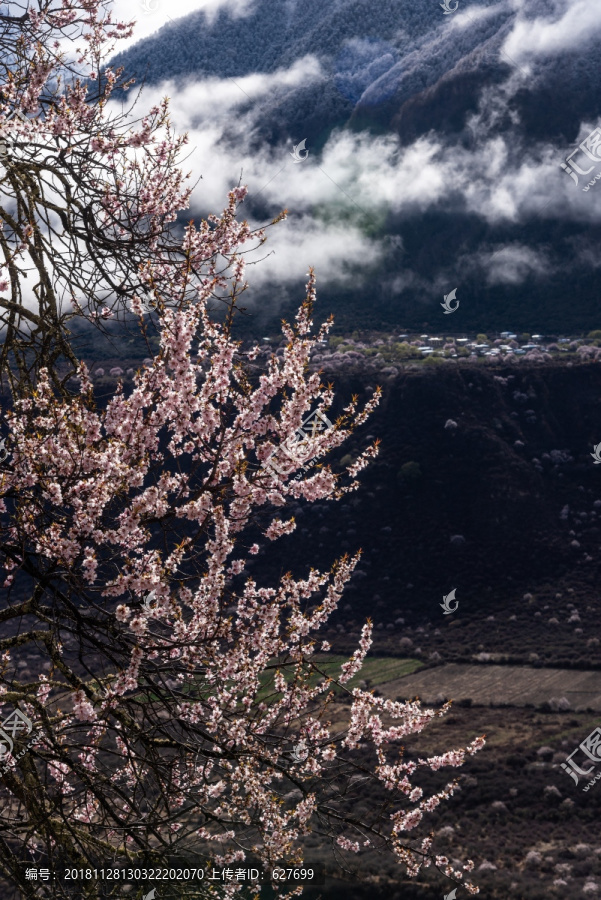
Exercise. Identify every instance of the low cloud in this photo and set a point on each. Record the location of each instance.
(341, 198)
(514, 263)
(578, 25)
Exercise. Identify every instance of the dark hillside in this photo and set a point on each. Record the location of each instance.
(484, 484)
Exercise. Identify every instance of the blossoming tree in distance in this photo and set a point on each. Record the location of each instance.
(182, 699)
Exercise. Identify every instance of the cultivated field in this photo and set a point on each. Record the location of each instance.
(490, 684)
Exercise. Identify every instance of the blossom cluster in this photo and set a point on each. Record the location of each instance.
(187, 443)
(181, 712)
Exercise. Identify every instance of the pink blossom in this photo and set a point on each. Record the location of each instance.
(82, 708)
(188, 444)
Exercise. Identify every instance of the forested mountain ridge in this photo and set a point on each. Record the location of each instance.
(374, 54)
(477, 110)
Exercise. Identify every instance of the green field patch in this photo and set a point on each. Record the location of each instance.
(374, 672)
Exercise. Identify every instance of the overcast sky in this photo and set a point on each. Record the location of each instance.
(150, 15)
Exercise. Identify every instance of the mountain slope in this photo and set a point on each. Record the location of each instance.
(457, 123)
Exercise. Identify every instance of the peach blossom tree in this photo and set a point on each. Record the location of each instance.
(182, 704)
(87, 193)
(180, 709)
